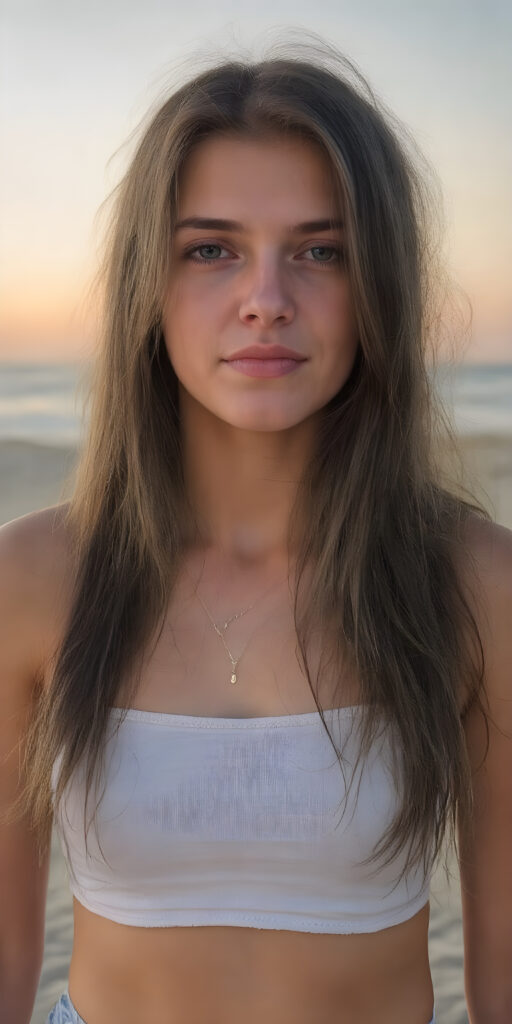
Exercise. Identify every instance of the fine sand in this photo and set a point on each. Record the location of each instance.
(31, 477)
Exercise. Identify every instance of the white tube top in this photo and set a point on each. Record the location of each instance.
(237, 821)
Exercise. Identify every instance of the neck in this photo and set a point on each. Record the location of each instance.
(242, 484)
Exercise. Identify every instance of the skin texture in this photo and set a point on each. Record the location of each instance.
(246, 439)
(245, 442)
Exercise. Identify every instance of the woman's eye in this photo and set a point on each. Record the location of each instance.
(327, 249)
(200, 259)
(334, 254)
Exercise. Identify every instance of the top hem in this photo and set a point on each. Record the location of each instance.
(270, 921)
(208, 722)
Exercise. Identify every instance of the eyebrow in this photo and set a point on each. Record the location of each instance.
(219, 224)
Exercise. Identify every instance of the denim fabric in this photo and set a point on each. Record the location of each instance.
(64, 1012)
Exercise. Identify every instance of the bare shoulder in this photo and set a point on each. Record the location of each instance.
(490, 547)
(34, 550)
(33, 528)
(491, 544)
(35, 560)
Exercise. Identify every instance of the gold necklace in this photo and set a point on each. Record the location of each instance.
(221, 630)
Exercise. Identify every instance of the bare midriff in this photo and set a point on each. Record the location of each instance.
(123, 974)
(226, 975)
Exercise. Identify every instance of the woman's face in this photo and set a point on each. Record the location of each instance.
(259, 282)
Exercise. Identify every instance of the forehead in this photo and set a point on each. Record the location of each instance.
(225, 175)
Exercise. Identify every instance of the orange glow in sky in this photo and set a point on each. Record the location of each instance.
(63, 128)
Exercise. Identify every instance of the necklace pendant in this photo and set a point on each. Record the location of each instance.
(233, 677)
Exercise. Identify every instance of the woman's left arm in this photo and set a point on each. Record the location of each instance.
(486, 857)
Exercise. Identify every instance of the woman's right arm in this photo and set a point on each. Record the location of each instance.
(24, 561)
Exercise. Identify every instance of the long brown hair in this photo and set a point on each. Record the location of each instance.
(386, 530)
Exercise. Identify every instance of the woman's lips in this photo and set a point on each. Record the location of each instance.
(265, 367)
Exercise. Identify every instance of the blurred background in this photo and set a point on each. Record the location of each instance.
(76, 80)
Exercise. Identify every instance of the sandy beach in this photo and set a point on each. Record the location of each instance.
(32, 477)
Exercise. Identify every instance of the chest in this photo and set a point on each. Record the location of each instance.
(188, 669)
(246, 822)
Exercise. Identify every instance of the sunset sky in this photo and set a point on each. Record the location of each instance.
(78, 78)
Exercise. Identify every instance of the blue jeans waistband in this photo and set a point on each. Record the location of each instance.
(64, 1012)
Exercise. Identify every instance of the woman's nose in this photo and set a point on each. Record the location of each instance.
(266, 297)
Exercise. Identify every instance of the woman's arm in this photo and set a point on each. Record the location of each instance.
(486, 857)
(25, 546)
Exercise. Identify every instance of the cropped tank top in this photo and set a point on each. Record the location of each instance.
(237, 821)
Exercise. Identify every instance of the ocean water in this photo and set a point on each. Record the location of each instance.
(44, 402)
(41, 402)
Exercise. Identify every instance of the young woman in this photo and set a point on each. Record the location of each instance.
(264, 632)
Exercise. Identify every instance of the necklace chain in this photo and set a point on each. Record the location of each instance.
(220, 630)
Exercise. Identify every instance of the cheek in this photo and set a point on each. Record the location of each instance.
(187, 342)
(339, 323)
(189, 312)
(177, 322)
